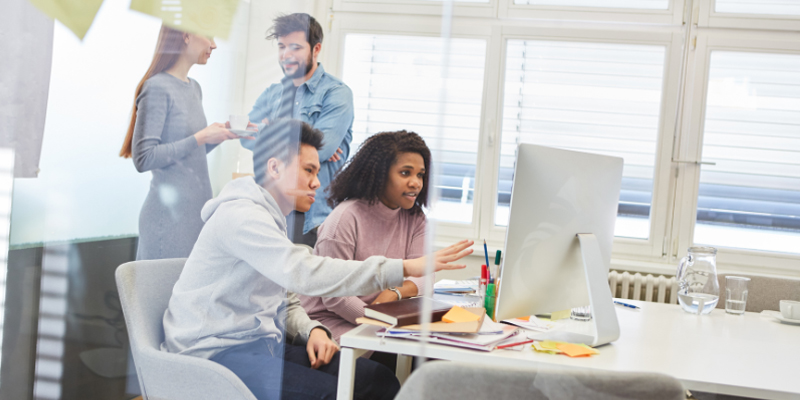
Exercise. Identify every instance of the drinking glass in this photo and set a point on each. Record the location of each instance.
(735, 294)
(583, 313)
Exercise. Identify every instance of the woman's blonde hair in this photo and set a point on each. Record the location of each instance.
(169, 48)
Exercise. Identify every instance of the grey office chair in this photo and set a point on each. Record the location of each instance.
(443, 380)
(144, 291)
(764, 293)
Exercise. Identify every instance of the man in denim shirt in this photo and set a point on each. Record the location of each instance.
(309, 94)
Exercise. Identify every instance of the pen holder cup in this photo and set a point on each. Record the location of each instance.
(489, 306)
(489, 300)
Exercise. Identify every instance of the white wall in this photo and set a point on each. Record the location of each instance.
(84, 190)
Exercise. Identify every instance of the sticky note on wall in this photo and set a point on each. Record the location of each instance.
(458, 314)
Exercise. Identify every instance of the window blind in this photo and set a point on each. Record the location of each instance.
(594, 97)
(397, 84)
(634, 4)
(752, 133)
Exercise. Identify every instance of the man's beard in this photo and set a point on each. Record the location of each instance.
(299, 72)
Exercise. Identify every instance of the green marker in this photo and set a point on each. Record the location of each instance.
(496, 266)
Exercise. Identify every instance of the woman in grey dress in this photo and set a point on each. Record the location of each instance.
(169, 137)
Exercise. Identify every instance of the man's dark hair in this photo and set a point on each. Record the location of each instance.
(366, 174)
(286, 24)
(282, 139)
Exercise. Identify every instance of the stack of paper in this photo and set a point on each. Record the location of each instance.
(486, 339)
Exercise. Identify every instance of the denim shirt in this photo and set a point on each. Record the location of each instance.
(325, 103)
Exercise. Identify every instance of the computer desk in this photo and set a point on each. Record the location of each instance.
(748, 355)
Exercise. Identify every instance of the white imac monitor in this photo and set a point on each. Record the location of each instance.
(557, 195)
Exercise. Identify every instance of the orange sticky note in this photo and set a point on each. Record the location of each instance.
(458, 314)
(576, 350)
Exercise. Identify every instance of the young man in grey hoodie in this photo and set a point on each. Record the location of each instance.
(234, 302)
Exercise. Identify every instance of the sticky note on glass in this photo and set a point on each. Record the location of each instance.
(576, 350)
(458, 314)
(77, 15)
(213, 18)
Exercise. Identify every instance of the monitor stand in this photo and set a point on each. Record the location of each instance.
(604, 316)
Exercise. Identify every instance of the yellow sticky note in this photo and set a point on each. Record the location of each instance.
(548, 344)
(77, 15)
(576, 350)
(538, 347)
(458, 314)
(212, 18)
(560, 315)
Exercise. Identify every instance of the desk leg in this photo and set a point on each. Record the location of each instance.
(403, 367)
(347, 372)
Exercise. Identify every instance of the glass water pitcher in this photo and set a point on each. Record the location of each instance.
(698, 288)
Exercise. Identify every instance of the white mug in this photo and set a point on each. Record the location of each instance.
(790, 309)
(238, 122)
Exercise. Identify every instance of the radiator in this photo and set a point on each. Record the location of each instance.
(657, 289)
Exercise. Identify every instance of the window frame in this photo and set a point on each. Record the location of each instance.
(673, 15)
(709, 18)
(691, 145)
(418, 7)
(652, 248)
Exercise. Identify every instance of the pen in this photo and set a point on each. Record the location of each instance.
(497, 265)
(486, 254)
(627, 305)
(514, 344)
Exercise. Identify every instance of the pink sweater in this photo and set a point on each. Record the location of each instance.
(356, 230)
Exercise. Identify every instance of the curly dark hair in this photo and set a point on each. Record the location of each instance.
(286, 24)
(366, 174)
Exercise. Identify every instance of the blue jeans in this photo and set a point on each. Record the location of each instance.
(275, 371)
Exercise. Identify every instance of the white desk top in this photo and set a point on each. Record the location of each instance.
(718, 353)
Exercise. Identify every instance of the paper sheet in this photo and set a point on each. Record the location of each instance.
(532, 323)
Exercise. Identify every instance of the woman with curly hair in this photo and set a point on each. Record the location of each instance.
(378, 199)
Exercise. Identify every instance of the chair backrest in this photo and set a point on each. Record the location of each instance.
(144, 289)
(442, 380)
(763, 293)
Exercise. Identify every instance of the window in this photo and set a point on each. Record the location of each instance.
(639, 79)
(595, 97)
(751, 198)
(397, 84)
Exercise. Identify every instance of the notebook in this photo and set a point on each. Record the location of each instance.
(440, 326)
(405, 312)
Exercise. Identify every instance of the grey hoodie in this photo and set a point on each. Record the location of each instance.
(233, 289)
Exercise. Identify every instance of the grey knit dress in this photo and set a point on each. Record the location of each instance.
(169, 113)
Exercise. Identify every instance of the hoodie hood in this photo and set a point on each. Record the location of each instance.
(245, 189)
